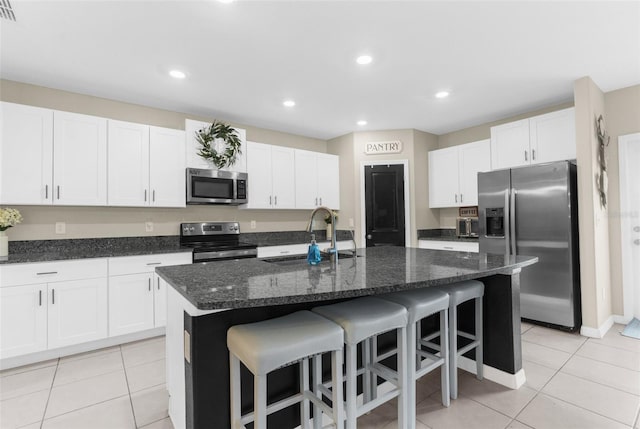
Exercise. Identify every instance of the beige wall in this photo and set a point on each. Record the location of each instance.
(622, 115)
(426, 218)
(82, 222)
(592, 217)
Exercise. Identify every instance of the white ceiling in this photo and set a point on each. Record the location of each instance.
(243, 59)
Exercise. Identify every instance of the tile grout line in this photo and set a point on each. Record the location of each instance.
(126, 377)
(53, 379)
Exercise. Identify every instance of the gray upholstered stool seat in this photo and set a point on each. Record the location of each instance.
(458, 293)
(422, 303)
(362, 319)
(268, 345)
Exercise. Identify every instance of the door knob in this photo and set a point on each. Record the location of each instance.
(369, 237)
(636, 229)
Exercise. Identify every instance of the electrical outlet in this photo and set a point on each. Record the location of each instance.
(61, 228)
(351, 224)
(148, 226)
(253, 224)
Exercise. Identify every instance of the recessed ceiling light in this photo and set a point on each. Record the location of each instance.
(362, 123)
(177, 74)
(442, 94)
(226, 1)
(288, 103)
(364, 59)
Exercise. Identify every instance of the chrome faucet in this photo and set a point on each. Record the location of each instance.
(333, 251)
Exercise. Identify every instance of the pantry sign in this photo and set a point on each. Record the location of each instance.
(379, 148)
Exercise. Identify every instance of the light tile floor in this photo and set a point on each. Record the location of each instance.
(572, 382)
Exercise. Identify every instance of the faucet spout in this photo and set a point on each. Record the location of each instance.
(334, 248)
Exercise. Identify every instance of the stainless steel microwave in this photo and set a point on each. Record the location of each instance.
(216, 187)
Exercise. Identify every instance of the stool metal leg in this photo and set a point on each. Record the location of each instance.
(403, 404)
(337, 396)
(411, 370)
(366, 375)
(304, 386)
(453, 347)
(316, 363)
(351, 372)
(479, 349)
(444, 354)
(260, 401)
(373, 343)
(234, 375)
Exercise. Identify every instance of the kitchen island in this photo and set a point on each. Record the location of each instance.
(205, 299)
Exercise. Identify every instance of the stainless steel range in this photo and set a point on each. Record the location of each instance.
(215, 241)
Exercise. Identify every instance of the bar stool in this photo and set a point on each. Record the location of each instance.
(422, 303)
(361, 319)
(271, 344)
(459, 293)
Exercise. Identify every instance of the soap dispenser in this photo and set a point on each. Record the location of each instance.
(313, 255)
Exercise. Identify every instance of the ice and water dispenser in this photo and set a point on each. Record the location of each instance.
(495, 221)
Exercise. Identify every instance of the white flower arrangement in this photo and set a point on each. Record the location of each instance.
(9, 218)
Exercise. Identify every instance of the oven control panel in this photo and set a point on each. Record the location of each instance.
(209, 228)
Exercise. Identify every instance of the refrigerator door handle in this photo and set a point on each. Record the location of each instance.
(512, 224)
(507, 222)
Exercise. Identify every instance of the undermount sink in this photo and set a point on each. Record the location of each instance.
(302, 259)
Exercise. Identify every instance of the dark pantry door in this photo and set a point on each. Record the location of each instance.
(384, 204)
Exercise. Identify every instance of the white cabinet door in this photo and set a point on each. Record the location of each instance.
(128, 166)
(159, 301)
(553, 136)
(306, 179)
(26, 154)
(77, 312)
(259, 170)
(23, 320)
(167, 167)
(510, 145)
(328, 181)
(283, 177)
(443, 177)
(80, 159)
(130, 303)
(473, 158)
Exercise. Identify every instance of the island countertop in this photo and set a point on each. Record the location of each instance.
(247, 283)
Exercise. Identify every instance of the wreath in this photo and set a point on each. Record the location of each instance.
(218, 130)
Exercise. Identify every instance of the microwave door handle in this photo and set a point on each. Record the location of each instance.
(507, 223)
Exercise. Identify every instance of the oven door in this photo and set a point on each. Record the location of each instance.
(216, 187)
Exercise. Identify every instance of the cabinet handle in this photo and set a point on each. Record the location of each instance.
(46, 273)
(145, 195)
(153, 195)
(269, 199)
(275, 200)
(149, 285)
(320, 200)
(58, 190)
(456, 197)
(53, 296)
(46, 192)
(284, 252)
(533, 154)
(158, 283)
(461, 198)
(526, 156)
(448, 247)
(154, 263)
(40, 297)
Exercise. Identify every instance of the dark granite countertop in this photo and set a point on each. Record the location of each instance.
(443, 234)
(255, 282)
(86, 248)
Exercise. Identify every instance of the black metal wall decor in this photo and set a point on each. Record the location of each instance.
(601, 176)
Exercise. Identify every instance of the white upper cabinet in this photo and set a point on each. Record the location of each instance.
(167, 167)
(146, 166)
(453, 174)
(271, 177)
(543, 138)
(26, 154)
(317, 180)
(79, 159)
(192, 148)
(128, 164)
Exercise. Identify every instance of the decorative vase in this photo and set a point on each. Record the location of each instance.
(4, 244)
(329, 231)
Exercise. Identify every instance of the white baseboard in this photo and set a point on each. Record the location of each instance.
(600, 331)
(512, 381)
(45, 355)
(621, 319)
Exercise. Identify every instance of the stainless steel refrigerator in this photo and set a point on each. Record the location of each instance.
(533, 211)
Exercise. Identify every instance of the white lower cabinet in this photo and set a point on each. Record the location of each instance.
(452, 246)
(50, 305)
(138, 296)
